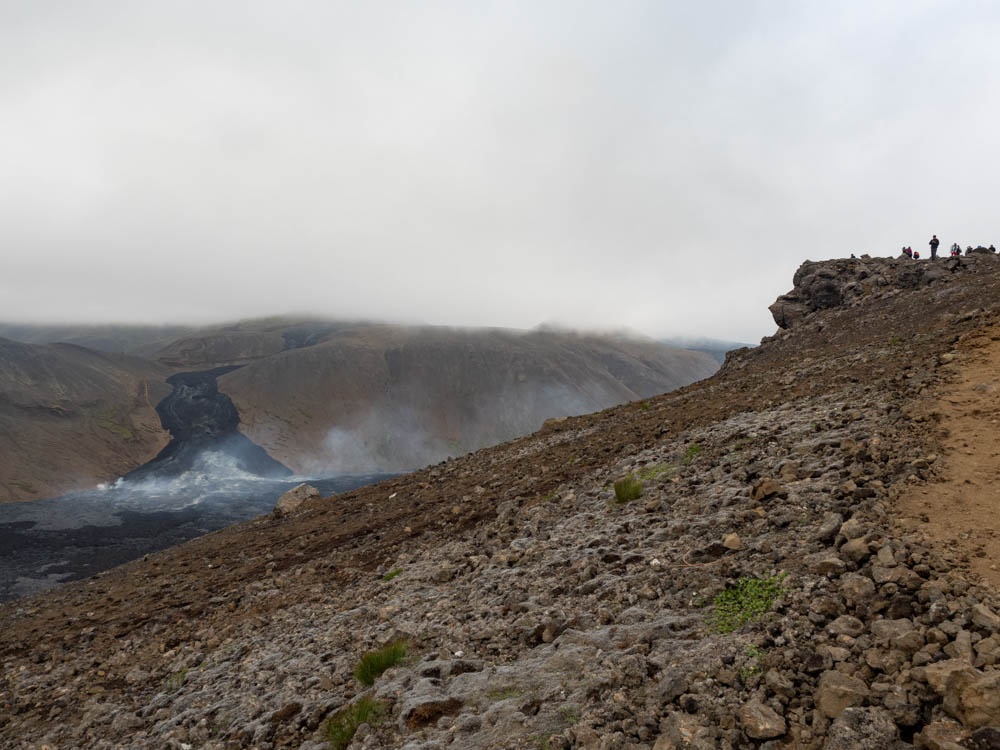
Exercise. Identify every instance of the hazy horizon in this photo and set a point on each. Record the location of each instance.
(658, 167)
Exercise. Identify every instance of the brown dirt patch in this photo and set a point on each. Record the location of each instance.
(960, 513)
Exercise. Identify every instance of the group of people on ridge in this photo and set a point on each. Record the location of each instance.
(956, 249)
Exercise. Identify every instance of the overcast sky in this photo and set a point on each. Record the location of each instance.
(659, 165)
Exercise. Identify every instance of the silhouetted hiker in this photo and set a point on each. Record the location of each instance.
(956, 250)
(907, 252)
(934, 246)
(916, 255)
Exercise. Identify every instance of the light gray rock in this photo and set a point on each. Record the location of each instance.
(292, 500)
(761, 722)
(862, 729)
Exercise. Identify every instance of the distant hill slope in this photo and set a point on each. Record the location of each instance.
(320, 396)
(324, 397)
(715, 348)
(119, 339)
(72, 417)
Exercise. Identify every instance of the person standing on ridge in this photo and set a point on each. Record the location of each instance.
(934, 246)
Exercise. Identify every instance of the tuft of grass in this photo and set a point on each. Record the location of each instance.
(755, 665)
(693, 451)
(748, 600)
(375, 662)
(628, 489)
(656, 470)
(174, 681)
(392, 574)
(340, 728)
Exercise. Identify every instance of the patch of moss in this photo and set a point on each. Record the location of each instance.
(745, 602)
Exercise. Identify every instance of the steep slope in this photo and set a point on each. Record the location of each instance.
(72, 417)
(542, 613)
(394, 398)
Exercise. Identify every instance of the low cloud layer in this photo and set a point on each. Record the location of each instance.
(654, 165)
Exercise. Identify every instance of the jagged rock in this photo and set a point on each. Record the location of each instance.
(856, 589)
(828, 527)
(856, 550)
(732, 542)
(846, 625)
(426, 702)
(761, 722)
(826, 564)
(937, 675)
(683, 731)
(899, 634)
(984, 617)
(852, 529)
(862, 729)
(292, 500)
(838, 691)
(973, 697)
(767, 488)
(942, 735)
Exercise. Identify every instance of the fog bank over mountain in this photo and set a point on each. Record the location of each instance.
(636, 164)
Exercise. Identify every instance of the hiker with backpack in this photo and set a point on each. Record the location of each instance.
(934, 246)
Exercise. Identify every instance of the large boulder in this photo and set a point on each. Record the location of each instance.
(292, 500)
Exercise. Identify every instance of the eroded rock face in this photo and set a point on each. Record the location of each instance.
(845, 283)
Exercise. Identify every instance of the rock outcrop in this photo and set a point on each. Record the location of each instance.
(846, 283)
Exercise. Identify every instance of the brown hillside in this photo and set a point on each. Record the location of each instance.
(71, 417)
(394, 398)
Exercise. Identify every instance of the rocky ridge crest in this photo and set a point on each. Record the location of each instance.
(541, 613)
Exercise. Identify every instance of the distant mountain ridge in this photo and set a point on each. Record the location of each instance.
(317, 395)
(715, 348)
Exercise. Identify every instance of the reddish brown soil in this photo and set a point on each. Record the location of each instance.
(961, 512)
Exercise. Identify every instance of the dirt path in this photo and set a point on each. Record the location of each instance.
(961, 511)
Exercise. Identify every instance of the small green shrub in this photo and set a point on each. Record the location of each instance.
(748, 600)
(376, 662)
(174, 681)
(693, 451)
(628, 489)
(340, 728)
(656, 470)
(756, 664)
(392, 574)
